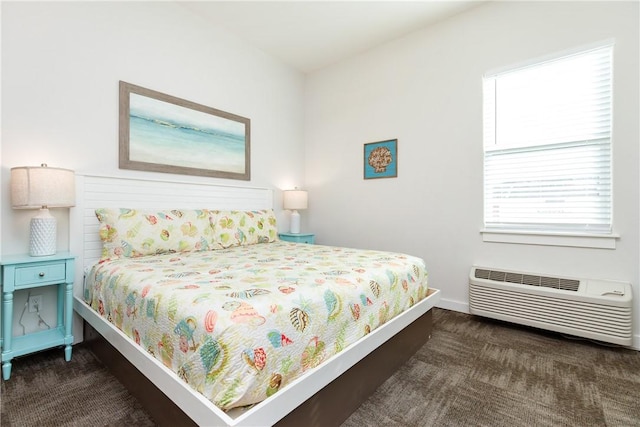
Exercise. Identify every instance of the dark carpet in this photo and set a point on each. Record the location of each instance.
(480, 372)
(473, 372)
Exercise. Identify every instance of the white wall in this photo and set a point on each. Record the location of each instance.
(61, 63)
(426, 90)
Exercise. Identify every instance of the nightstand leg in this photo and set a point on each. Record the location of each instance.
(68, 312)
(7, 331)
(6, 370)
(62, 301)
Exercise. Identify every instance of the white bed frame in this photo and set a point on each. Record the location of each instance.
(102, 191)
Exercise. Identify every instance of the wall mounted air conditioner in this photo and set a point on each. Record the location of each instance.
(596, 309)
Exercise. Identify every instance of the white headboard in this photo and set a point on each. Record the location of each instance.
(93, 191)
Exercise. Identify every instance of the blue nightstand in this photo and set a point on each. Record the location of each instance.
(309, 238)
(25, 272)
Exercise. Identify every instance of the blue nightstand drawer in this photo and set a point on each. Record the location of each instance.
(40, 274)
(298, 238)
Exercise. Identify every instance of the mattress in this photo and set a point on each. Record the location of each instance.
(238, 324)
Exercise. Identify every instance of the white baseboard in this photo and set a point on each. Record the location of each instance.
(449, 304)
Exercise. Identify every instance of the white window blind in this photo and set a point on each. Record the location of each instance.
(547, 145)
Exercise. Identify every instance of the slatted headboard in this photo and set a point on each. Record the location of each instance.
(94, 191)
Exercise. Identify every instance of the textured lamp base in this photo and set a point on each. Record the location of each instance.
(295, 223)
(43, 234)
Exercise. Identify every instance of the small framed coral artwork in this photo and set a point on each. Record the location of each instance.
(381, 159)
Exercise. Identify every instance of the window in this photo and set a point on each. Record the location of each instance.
(547, 145)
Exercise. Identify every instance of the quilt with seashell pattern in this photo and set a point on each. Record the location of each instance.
(239, 324)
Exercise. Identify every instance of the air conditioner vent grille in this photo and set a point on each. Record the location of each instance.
(497, 276)
(528, 279)
(597, 309)
(482, 274)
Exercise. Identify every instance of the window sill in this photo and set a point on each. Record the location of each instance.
(598, 241)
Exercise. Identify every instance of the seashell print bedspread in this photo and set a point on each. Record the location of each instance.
(240, 323)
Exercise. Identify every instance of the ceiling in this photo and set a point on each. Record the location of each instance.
(309, 35)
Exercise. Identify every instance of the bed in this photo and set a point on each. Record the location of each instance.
(254, 276)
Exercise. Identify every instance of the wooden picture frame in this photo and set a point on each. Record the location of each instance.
(162, 133)
(381, 159)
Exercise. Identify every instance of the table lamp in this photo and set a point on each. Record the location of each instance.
(42, 187)
(294, 200)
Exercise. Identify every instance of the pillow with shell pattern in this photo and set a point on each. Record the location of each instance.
(136, 232)
(239, 228)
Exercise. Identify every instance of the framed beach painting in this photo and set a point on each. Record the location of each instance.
(381, 159)
(162, 133)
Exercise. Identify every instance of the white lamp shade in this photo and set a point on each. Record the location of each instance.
(33, 187)
(295, 199)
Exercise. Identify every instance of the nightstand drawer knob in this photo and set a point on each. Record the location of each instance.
(41, 274)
